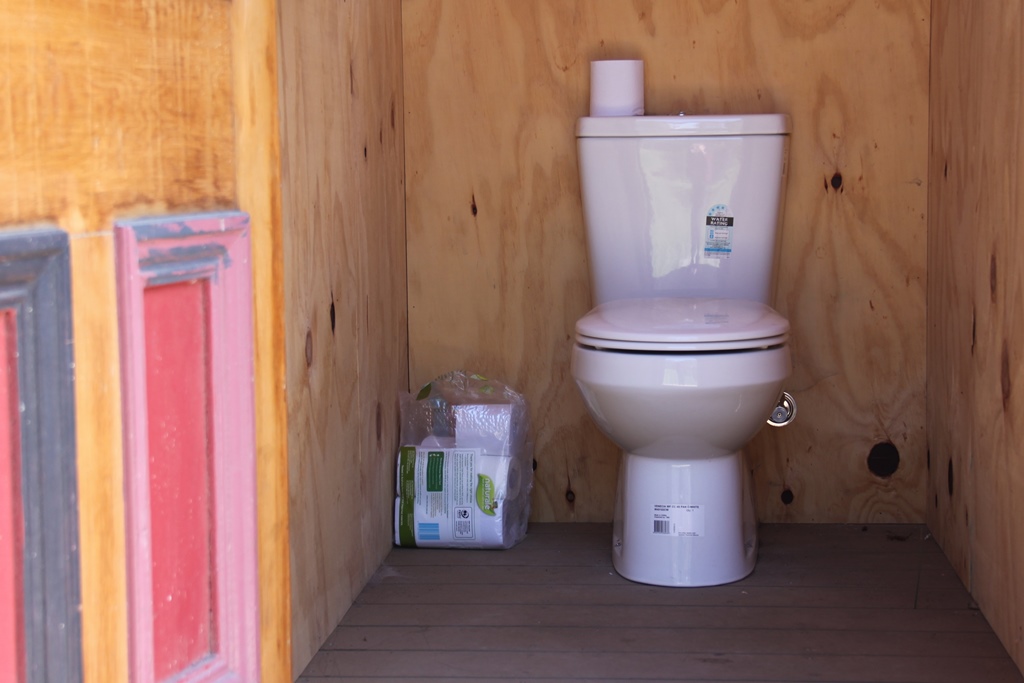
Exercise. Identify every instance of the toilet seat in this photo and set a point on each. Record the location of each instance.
(673, 325)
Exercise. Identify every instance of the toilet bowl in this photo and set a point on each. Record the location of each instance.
(682, 385)
(682, 360)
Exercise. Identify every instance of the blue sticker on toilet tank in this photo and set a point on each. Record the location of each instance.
(718, 232)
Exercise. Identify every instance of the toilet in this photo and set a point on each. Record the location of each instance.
(682, 360)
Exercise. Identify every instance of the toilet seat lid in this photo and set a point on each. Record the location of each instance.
(682, 324)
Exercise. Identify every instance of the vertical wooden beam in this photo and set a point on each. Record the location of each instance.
(258, 183)
(100, 461)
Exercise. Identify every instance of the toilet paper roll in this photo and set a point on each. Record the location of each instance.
(504, 472)
(617, 87)
(488, 427)
(513, 479)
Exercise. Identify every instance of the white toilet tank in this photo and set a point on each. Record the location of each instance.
(682, 206)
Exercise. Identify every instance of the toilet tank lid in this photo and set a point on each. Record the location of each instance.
(681, 126)
(688, 320)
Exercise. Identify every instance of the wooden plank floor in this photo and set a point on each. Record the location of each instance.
(845, 603)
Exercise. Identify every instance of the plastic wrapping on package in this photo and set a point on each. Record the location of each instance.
(465, 470)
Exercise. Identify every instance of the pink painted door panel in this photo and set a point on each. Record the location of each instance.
(180, 475)
(185, 310)
(12, 634)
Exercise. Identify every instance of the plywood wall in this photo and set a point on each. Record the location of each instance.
(113, 110)
(345, 301)
(976, 303)
(497, 265)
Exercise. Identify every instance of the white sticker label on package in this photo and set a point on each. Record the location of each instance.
(462, 525)
(679, 520)
(445, 492)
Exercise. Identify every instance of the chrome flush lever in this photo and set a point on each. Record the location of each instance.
(784, 412)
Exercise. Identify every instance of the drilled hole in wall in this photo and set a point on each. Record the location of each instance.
(884, 459)
(787, 497)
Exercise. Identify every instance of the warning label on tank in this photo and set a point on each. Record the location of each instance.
(718, 232)
(679, 520)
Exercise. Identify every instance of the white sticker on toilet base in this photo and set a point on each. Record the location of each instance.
(679, 520)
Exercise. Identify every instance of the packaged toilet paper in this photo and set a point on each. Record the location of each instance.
(464, 477)
(458, 497)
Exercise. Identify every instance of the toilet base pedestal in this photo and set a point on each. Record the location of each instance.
(684, 522)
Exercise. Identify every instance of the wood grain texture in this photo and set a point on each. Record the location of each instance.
(100, 459)
(497, 266)
(345, 310)
(112, 108)
(976, 303)
(258, 185)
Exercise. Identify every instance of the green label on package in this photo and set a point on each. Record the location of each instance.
(435, 471)
(407, 487)
(485, 494)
